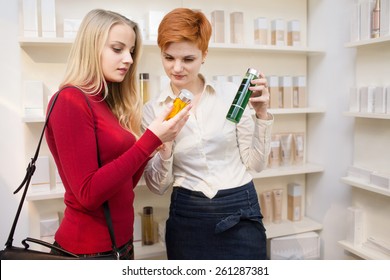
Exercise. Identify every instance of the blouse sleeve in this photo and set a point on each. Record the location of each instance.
(254, 137)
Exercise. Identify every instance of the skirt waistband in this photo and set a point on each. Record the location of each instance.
(226, 202)
(221, 193)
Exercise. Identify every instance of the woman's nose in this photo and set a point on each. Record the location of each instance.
(178, 66)
(127, 58)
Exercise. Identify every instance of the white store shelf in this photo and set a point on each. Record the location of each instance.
(35, 119)
(156, 250)
(361, 184)
(285, 111)
(368, 42)
(287, 227)
(363, 252)
(63, 42)
(289, 170)
(57, 192)
(368, 115)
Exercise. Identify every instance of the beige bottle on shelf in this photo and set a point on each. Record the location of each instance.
(375, 20)
(147, 226)
(144, 86)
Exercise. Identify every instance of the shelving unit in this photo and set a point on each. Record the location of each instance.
(156, 250)
(368, 115)
(363, 252)
(358, 183)
(368, 42)
(276, 60)
(371, 137)
(287, 227)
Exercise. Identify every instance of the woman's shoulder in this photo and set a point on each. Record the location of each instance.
(70, 93)
(70, 96)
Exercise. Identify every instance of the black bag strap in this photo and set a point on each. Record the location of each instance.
(30, 172)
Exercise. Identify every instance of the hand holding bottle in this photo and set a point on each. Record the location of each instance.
(253, 88)
(167, 130)
(260, 96)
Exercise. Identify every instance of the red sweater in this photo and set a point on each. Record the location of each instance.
(71, 138)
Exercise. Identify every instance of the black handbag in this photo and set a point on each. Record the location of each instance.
(11, 252)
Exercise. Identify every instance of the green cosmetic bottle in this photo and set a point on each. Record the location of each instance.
(242, 96)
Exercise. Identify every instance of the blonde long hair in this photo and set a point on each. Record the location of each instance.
(84, 68)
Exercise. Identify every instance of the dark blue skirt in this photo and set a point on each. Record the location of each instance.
(228, 226)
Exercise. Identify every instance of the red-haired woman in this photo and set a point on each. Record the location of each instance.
(214, 211)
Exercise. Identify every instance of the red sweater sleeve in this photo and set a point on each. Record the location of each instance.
(71, 135)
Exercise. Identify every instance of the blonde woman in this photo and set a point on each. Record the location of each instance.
(94, 135)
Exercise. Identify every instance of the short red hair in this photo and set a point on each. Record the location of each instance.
(183, 24)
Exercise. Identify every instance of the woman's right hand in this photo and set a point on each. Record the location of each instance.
(167, 130)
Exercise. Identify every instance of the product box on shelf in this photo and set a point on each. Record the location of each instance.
(277, 203)
(355, 226)
(367, 99)
(359, 173)
(355, 23)
(303, 246)
(387, 93)
(286, 147)
(237, 28)
(266, 206)
(49, 224)
(385, 18)
(380, 180)
(299, 92)
(33, 98)
(276, 95)
(377, 245)
(137, 234)
(41, 180)
(299, 148)
(48, 19)
(48, 227)
(286, 86)
(235, 79)
(293, 33)
(221, 78)
(153, 20)
(275, 153)
(30, 18)
(294, 202)
(218, 25)
(379, 100)
(278, 30)
(261, 31)
(71, 26)
(366, 8)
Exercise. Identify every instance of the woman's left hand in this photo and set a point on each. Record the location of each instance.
(260, 97)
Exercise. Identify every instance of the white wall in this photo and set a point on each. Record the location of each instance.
(12, 151)
(330, 133)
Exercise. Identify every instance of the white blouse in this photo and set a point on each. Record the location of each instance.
(210, 153)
